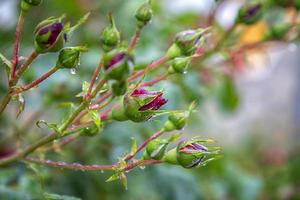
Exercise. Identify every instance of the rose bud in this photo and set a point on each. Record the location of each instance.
(176, 121)
(141, 104)
(91, 131)
(118, 64)
(186, 43)
(156, 149)
(49, 35)
(180, 65)
(69, 57)
(144, 14)
(119, 88)
(250, 14)
(27, 4)
(278, 31)
(110, 37)
(192, 153)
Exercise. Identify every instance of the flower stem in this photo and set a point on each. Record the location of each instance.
(14, 81)
(94, 77)
(19, 31)
(134, 40)
(36, 82)
(144, 144)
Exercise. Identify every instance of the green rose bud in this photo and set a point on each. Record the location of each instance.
(192, 153)
(91, 131)
(49, 35)
(27, 4)
(69, 57)
(186, 43)
(156, 149)
(144, 14)
(180, 64)
(250, 14)
(118, 64)
(119, 88)
(278, 31)
(176, 121)
(118, 113)
(110, 37)
(140, 105)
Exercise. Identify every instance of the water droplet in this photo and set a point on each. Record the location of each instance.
(142, 167)
(185, 72)
(73, 71)
(292, 47)
(102, 171)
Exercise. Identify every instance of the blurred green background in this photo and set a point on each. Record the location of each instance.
(259, 134)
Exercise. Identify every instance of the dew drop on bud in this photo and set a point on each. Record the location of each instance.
(142, 167)
(102, 171)
(73, 71)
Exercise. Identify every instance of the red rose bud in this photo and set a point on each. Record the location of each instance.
(69, 57)
(141, 104)
(110, 37)
(186, 43)
(144, 14)
(156, 149)
(192, 153)
(49, 35)
(250, 14)
(176, 121)
(118, 64)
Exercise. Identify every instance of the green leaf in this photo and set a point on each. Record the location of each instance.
(133, 145)
(95, 117)
(113, 178)
(123, 180)
(7, 63)
(49, 196)
(82, 20)
(52, 126)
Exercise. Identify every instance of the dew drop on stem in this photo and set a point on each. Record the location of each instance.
(73, 71)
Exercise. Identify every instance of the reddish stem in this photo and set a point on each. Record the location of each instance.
(78, 166)
(36, 82)
(19, 31)
(144, 144)
(94, 77)
(134, 40)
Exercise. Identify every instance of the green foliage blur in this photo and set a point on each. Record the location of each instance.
(248, 170)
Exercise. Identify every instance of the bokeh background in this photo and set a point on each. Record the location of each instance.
(259, 133)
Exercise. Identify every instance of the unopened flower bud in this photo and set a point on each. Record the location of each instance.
(156, 149)
(144, 14)
(188, 41)
(110, 37)
(192, 153)
(140, 105)
(176, 121)
(250, 14)
(27, 4)
(91, 131)
(278, 31)
(119, 88)
(118, 113)
(69, 57)
(180, 64)
(118, 64)
(49, 35)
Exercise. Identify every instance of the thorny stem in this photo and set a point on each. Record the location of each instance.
(144, 144)
(36, 82)
(19, 31)
(78, 166)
